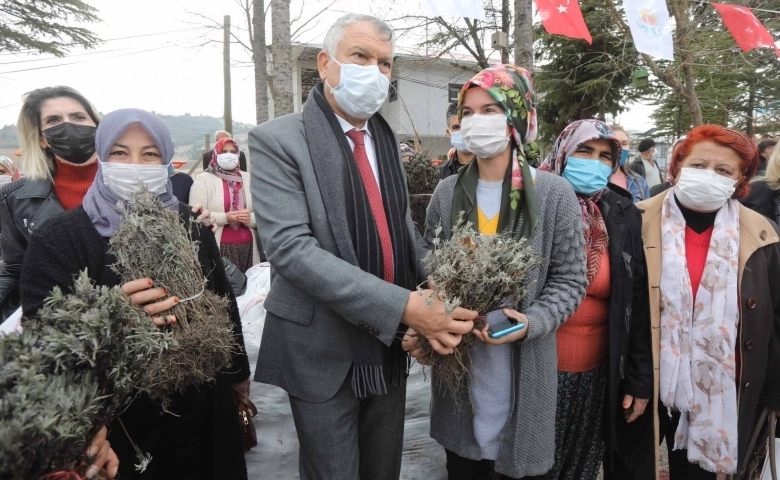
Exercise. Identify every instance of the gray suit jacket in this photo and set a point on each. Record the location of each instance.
(318, 293)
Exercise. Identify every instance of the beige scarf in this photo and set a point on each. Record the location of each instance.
(698, 342)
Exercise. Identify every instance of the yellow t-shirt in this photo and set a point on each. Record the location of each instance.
(487, 226)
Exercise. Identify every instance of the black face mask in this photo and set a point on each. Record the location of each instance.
(71, 142)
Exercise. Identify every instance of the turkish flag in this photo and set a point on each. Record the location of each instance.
(746, 29)
(563, 17)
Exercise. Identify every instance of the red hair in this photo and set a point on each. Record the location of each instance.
(742, 145)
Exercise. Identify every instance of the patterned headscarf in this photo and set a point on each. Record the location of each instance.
(11, 168)
(233, 177)
(594, 228)
(512, 87)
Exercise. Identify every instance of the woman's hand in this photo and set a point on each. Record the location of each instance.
(243, 387)
(141, 293)
(103, 456)
(205, 217)
(411, 343)
(244, 217)
(634, 407)
(233, 217)
(484, 334)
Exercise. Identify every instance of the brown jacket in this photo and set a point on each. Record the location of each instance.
(759, 327)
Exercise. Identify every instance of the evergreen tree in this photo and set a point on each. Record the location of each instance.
(45, 26)
(576, 80)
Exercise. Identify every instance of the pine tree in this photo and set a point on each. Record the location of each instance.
(576, 80)
(45, 26)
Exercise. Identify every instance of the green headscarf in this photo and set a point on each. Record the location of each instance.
(511, 86)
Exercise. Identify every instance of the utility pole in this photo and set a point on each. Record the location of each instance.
(228, 109)
(505, 23)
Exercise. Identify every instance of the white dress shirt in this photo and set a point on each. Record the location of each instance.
(369, 141)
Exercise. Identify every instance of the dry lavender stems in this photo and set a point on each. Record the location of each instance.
(72, 370)
(477, 272)
(153, 243)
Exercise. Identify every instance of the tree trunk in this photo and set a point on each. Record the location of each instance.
(260, 60)
(505, 24)
(680, 10)
(281, 50)
(524, 41)
(751, 106)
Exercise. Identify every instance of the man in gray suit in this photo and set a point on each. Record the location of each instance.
(332, 212)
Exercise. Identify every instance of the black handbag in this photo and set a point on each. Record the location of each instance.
(235, 276)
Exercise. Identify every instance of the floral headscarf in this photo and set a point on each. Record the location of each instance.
(233, 177)
(512, 87)
(594, 228)
(11, 168)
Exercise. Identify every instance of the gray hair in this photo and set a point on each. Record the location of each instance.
(336, 32)
(223, 133)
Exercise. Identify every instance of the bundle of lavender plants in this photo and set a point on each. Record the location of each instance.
(477, 272)
(71, 371)
(422, 176)
(152, 242)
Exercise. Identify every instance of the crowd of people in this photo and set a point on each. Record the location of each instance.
(653, 319)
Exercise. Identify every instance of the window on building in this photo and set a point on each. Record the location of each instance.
(453, 89)
(393, 93)
(309, 78)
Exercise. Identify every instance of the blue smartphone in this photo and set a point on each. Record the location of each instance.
(506, 327)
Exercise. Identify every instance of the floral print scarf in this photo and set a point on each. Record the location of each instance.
(698, 339)
(512, 87)
(594, 228)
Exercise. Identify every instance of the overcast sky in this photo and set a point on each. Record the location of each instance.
(165, 68)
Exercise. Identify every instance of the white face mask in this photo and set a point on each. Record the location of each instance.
(5, 179)
(484, 135)
(361, 91)
(125, 179)
(227, 161)
(703, 190)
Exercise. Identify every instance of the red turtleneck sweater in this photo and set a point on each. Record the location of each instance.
(71, 182)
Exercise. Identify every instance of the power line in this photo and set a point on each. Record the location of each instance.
(57, 58)
(93, 59)
(111, 39)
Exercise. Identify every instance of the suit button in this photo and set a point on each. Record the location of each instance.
(747, 384)
(361, 325)
(751, 303)
(749, 345)
(762, 234)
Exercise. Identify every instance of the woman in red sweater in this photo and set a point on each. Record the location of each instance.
(713, 270)
(605, 374)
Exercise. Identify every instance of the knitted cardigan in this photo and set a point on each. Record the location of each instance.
(554, 292)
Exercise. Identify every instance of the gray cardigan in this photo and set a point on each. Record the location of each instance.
(555, 291)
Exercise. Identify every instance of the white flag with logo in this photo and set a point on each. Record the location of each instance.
(650, 27)
(473, 9)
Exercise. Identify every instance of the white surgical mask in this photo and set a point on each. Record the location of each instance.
(361, 91)
(456, 139)
(227, 161)
(125, 179)
(484, 135)
(5, 179)
(703, 190)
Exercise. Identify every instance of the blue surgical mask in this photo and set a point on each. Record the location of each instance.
(361, 91)
(623, 157)
(586, 176)
(457, 141)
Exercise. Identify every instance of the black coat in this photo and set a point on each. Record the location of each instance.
(630, 369)
(25, 205)
(202, 441)
(182, 184)
(241, 160)
(764, 200)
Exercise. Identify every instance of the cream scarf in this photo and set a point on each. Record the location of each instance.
(698, 341)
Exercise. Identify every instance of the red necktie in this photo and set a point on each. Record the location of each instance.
(374, 199)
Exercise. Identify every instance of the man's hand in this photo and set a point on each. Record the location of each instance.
(634, 407)
(102, 456)
(484, 334)
(411, 344)
(443, 331)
